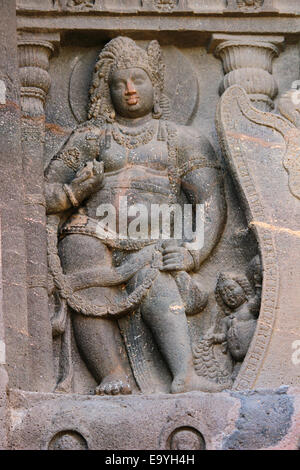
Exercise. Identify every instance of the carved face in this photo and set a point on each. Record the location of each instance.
(131, 92)
(232, 293)
(186, 439)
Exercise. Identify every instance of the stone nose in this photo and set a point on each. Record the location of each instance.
(130, 88)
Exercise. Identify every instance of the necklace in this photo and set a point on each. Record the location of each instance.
(133, 138)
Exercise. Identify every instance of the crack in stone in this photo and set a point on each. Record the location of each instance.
(275, 228)
(257, 140)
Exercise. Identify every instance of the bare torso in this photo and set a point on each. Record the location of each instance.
(140, 174)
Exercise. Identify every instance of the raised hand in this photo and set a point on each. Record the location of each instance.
(88, 180)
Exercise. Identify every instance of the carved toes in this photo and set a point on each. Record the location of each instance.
(114, 387)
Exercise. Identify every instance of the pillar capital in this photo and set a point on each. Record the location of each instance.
(248, 61)
(34, 52)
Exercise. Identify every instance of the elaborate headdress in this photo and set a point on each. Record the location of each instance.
(122, 53)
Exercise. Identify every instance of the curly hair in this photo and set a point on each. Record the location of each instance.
(121, 53)
(239, 279)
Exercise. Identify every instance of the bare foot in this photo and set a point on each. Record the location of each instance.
(194, 382)
(114, 385)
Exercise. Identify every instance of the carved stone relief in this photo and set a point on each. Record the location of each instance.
(238, 298)
(124, 344)
(147, 249)
(249, 62)
(251, 6)
(78, 5)
(68, 440)
(160, 6)
(247, 5)
(288, 107)
(164, 6)
(35, 81)
(261, 215)
(180, 106)
(81, 3)
(186, 439)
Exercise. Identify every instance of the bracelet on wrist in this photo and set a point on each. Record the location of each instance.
(71, 196)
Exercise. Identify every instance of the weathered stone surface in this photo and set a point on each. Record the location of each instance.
(13, 256)
(192, 346)
(276, 231)
(255, 420)
(264, 420)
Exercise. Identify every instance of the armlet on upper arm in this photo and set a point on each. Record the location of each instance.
(196, 164)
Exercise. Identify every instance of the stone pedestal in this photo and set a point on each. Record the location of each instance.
(191, 421)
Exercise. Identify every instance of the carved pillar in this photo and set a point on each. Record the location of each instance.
(248, 62)
(34, 55)
(35, 80)
(13, 306)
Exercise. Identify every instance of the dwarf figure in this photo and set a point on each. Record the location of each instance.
(240, 304)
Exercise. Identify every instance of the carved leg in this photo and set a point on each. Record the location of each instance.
(98, 340)
(236, 370)
(164, 313)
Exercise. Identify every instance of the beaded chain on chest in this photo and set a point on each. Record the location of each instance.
(133, 138)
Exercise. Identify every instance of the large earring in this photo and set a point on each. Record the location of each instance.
(157, 112)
